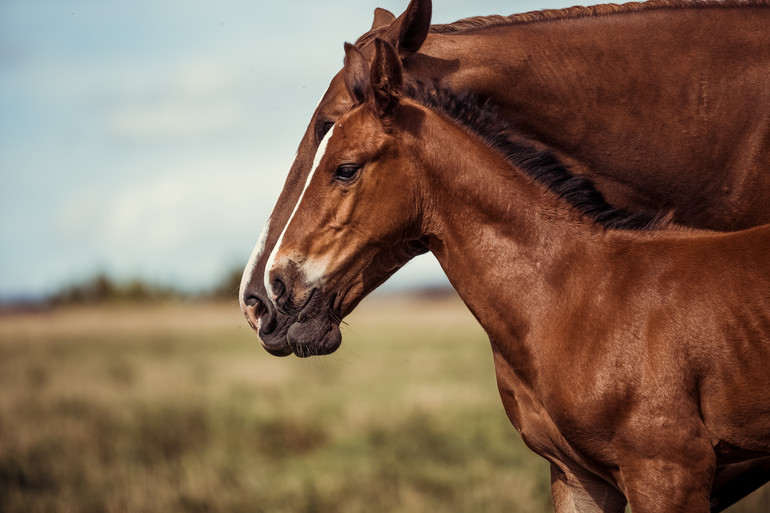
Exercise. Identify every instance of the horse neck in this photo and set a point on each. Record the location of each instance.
(494, 229)
(552, 64)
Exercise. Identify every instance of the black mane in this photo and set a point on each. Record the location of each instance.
(482, 117)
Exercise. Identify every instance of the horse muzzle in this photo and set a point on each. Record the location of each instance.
(269, 325)
(304, 326)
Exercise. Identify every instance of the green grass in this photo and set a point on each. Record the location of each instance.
(177, 408)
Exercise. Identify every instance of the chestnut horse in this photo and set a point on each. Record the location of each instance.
(635, 362)
(640, 98)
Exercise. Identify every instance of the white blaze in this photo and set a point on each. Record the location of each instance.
(259, 248)
(252, 264)
(316, 162)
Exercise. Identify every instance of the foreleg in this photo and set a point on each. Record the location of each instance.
(581, 492)
(675, 480)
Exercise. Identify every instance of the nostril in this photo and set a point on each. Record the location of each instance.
(255, 304)
(279, 288)
(257, 313)
(268, 326)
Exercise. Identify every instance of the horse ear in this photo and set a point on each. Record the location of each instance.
(382, 18)
(415, 27)
(387, 77)
(356, 74)
(409, 31)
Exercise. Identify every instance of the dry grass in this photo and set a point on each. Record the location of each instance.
(177, 408)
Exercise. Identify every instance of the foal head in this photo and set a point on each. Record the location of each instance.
(357, 219)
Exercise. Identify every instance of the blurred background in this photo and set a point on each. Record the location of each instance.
(142, 147)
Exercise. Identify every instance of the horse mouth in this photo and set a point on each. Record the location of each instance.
(313, 331)
(314, 338)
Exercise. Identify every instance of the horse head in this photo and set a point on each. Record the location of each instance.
(357, 219)
(277, 323)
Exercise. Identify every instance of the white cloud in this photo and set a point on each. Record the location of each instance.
(201, 203)
(184, 224)
(199, 97)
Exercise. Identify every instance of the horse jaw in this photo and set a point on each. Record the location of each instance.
(315, 337)
(314, 331)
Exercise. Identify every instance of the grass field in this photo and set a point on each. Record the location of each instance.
(177, 408)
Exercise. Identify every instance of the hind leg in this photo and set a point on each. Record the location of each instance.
(583, 493)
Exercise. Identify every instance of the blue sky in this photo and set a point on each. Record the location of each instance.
(151, 138)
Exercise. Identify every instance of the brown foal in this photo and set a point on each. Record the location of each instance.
(635, 362)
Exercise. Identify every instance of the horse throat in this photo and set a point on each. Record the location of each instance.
(507, 244)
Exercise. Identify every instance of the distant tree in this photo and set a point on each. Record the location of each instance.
(103, 289)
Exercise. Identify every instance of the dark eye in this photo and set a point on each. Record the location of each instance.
(322, 127)
(346, 173)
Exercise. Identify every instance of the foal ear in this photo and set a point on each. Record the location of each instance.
(387, 76)
(382, 18)
(410, 30)
(356, 74)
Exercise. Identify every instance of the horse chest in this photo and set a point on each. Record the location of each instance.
(564, 436)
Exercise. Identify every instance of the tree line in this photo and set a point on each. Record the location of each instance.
(102, 288)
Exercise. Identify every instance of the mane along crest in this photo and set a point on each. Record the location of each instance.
(481, 22)
(483, 119)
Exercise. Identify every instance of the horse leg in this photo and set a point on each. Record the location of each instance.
(735, 481)
(677, 479)
(582, 493)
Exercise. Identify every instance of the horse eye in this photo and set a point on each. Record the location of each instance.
(346, 172)
(322, 127)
